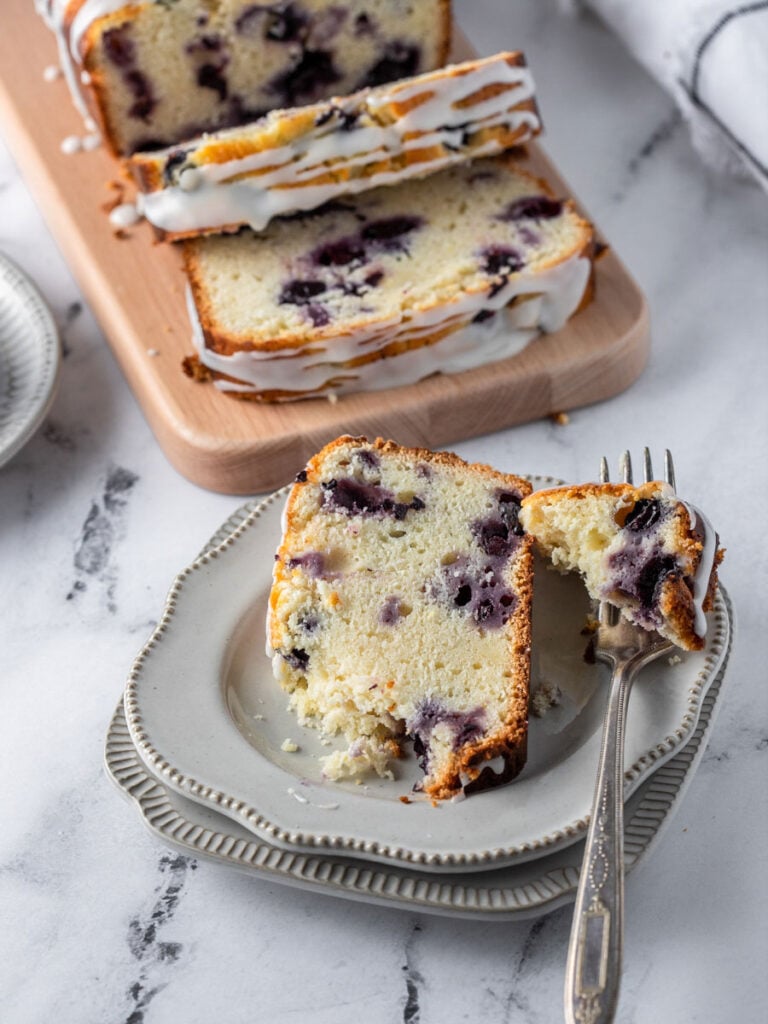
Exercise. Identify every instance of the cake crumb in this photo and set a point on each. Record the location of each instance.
(545, 697)
(561, 419)
(289, 746)
(590, 626)
(601, 248)
(333, 397)
(405, 800)
(118, 197)
(674, 659)
(258, 718)
(152, 352)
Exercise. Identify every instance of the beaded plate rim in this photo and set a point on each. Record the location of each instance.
(525, 891)
(30, 359)
(246, 813)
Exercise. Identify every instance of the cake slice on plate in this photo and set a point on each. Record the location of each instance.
(401, 609)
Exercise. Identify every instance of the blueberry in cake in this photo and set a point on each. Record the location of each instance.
(640, 548)
(300, 158)
(435, 275)
(400, 610)
(157, 72)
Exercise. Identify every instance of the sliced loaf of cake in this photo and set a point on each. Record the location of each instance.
(436, 275)
(400, 609)
(300, 158)
(160, 71)
(640, 548)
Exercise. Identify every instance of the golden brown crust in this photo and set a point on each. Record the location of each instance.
(193, 368)
(446, 15)
(96, 94)
(511, 744)
(438, 458)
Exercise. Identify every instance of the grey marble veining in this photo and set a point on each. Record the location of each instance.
(102, 924)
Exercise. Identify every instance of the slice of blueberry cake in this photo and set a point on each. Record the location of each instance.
(157, 72)
(640, 548)
(435, 275)
(400, 611)
(300, 158)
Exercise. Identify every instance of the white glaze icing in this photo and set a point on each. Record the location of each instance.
(80, 143)
(554, 296)
(208, 196)
(71, 144)
(124, 215)
(704, 568)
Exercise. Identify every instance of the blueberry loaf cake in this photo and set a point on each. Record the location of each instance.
(400, 609)
(158, 71)
(299, 159)
(437, 275)
(640, 548)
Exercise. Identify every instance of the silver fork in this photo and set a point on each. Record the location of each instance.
(593, 969)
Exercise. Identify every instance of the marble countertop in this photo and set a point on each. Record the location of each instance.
(101, 923)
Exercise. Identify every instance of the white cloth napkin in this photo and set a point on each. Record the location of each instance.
(712, 55)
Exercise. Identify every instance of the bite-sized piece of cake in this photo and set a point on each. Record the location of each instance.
(157, 72)
(298, 159)
(640, 548)
(436, 275)
(400, 608)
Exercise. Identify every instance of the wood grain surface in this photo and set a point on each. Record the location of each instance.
(135, 288)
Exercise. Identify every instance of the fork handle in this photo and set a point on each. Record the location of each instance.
(593, 969)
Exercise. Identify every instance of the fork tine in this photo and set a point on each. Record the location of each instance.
(647, 465)
(669, 469)
(605, 474)
(625, 467)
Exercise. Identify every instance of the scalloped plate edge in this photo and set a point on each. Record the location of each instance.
(528, 890)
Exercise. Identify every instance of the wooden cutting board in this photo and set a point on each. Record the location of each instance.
(135, 288)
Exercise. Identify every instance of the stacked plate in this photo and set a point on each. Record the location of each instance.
(30, 359)
(199, 744)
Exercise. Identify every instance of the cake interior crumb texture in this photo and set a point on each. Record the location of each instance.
(400, 610)
(166, 71)
(390, 253)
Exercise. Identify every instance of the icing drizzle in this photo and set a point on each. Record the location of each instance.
(310, 371)
(442, 111)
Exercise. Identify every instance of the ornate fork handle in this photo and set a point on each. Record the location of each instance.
(593, 969)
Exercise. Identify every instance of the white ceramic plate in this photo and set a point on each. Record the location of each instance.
(517, 891)
(208, 719)
(30, 357)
